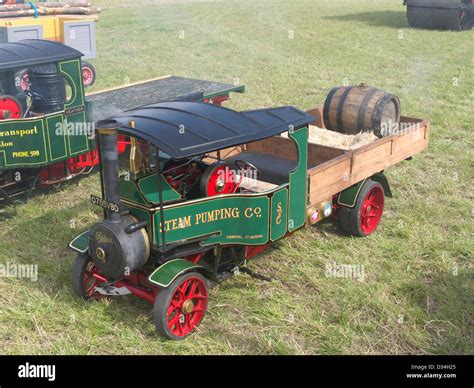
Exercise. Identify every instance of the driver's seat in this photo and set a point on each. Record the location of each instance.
(272, 169)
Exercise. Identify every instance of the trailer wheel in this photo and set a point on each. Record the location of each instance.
(364, 218)
(85, 278)
(181, 307)
(88, 74)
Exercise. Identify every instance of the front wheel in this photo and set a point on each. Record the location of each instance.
(85, 278)
(181, 307)
(365, 216)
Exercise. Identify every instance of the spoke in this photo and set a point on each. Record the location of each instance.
(369, 199)
(175, 303)
(182, 290)
(98, 277)
(197, 296)
(179, 327)
(90, 290)
(171, 308)
(194, 285)
(173, 321)
(187, 322)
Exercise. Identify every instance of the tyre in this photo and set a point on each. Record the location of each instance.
(85, 278)
(89, 74)
(181, 307)
(364, 218)
(343, 219)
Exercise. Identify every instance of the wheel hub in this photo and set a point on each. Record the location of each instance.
(188, 306)
(220, 184)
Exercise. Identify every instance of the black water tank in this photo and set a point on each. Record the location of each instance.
(48, 89)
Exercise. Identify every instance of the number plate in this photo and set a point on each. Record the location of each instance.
(105, 204)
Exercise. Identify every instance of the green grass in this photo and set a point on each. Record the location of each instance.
(417, 297)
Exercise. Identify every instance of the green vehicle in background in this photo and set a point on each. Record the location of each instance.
(47, 121)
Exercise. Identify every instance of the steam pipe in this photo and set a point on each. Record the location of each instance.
(108, 143)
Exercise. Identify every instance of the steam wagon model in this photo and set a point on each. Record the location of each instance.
(441, 14)
(207, 188)
(46, 135)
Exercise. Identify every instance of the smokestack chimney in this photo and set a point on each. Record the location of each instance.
(108, 132)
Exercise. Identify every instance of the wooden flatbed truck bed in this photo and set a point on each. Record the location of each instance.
(335, 170)
(332, 170)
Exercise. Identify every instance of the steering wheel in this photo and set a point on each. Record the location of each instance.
(244, 167)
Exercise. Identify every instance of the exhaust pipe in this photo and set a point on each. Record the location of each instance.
(108, 143)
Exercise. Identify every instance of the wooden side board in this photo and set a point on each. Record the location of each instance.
(338, 174)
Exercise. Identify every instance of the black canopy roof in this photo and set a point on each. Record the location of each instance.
(184, 129)
(29, 52)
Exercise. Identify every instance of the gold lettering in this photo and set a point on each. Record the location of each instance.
(279, 213)
(198, 218)
(246, 212)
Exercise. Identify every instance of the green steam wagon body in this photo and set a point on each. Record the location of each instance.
(208, 188)
(33, 141)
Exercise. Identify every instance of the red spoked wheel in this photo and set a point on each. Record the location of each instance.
(364, 218)
(371, 210)
(85, 278)
(10, 108)
(181, 307)
(217, 179)
(88, 74)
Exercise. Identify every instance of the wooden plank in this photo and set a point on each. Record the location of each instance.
(370, 160)
(319, 154)
(323, 183)
(318, 114)
(224, 153)
(276, 145)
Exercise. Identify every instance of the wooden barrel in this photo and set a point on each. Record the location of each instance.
(352, 109)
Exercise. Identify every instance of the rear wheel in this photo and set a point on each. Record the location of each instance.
(364, 218)
(88, 74)
(85, 278)
(181, 307)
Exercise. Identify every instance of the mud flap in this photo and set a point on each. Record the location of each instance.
(80, 243)
(382, 179)
(348, 197)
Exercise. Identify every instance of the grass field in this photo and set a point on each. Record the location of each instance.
(417, 296)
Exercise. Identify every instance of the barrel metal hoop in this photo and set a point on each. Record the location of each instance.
(377, 115)
(340, 107)
(327, 106)
(363, 108)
